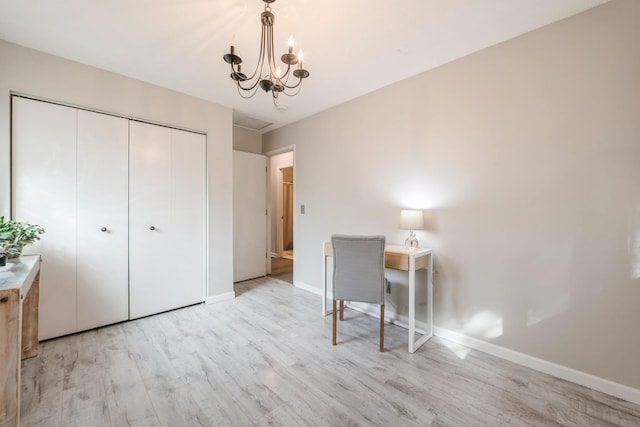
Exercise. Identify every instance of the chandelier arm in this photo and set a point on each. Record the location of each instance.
(298, 86)
(286, 75)
(263, 45)
(268, 47)
(257, 72)
(299, 82)
(271, 57)
(253, 88)
(248, 88)
(291, 86)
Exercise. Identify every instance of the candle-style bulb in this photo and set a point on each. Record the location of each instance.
(291, 43)
(300, 58)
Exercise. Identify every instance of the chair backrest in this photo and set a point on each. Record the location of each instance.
(358, 268)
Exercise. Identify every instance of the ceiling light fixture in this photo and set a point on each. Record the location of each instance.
(275, 81)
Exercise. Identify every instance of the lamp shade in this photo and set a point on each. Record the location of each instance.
(411, 219)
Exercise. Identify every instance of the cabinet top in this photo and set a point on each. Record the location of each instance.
(19, 273)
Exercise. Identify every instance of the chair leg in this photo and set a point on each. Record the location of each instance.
(381, 328)
(341, 309)
(333, 338)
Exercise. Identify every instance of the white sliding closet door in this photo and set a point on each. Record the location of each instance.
(103, 238)
(44, 193)
(167, 218)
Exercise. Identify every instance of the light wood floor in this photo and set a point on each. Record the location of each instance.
(265, 359)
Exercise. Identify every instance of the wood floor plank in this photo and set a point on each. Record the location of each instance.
(42, 385)
(265, 358)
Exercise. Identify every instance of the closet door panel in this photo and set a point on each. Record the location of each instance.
(103, 238)
(151, 258)
(188, 217)
(44, 193)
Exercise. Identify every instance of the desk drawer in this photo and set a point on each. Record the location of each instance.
(399, 261)
(392, 259)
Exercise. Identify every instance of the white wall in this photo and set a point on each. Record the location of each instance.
(30, 72)
(526, 157)
(247, 140)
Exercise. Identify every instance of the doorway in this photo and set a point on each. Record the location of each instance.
(281, 200)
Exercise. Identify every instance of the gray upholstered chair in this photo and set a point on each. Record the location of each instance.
(358, 274)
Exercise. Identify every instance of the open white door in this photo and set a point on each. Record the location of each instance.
(249, 216)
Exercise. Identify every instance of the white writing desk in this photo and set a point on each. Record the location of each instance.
(398, 258)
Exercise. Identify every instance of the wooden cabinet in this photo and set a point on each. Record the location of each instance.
(123, 204)
(19, 286)
(167, 218)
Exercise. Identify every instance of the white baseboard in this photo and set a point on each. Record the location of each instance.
(587, 380)
(390, 316)
(306, 287)
(593, 382)
(219, 298)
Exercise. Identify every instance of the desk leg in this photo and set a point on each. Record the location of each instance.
(430, 295)
(413, 343)
(412, 304)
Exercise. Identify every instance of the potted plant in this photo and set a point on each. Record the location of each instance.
(15, 234)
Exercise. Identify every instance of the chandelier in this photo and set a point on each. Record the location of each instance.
(273, 79)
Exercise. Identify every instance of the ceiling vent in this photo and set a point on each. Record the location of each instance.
(251, 123)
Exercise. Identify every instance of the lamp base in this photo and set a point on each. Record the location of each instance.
(411, 242)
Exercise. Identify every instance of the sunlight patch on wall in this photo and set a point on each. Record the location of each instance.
(485, 324)
(549, 281)
(547, 308)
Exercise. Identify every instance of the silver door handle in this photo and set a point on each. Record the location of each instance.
(104, 229)
(152, 228)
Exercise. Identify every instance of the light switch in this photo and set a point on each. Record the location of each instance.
(302, 209)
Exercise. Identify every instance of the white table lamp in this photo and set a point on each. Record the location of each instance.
(411, 220)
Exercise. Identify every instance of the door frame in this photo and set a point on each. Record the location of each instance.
(270, 154)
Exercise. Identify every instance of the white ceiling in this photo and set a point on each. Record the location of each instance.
(351, 47)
